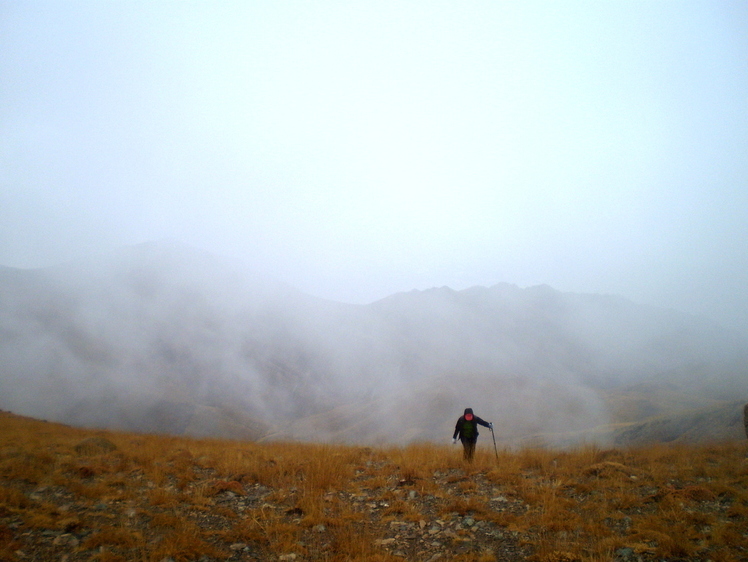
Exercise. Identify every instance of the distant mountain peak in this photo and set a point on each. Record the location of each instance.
(161, 335)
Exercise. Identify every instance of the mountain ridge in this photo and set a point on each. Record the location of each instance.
(162, 336)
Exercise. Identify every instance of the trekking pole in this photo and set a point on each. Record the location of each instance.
(494, 443)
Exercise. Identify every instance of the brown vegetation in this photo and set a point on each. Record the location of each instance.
(123, 496)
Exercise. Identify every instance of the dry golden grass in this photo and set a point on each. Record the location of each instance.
(157, 497)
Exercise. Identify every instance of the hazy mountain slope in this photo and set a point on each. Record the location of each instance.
(152, 324)
(723, 422)
(164, 338)
(539, 332)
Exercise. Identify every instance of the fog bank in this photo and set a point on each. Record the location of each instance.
(161, 337)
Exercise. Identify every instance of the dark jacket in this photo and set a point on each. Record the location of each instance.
(468, 430)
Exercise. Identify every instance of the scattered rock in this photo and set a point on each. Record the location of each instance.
(625, 552)
(66, 540)
(384, 542)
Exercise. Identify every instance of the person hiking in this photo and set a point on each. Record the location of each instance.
(467, 431)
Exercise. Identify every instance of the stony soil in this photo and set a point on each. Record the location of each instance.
(433, 536)
(451, 514)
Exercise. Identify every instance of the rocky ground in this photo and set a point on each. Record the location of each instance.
(75, 524)
(112, 503)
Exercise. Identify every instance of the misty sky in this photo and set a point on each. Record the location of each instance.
(358, 149)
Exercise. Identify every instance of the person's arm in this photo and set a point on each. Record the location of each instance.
(483, 422)
(458, 428)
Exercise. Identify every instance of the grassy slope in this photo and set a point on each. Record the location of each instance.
(154, 497)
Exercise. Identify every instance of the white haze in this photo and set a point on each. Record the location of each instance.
(160, 337)
(355, 150)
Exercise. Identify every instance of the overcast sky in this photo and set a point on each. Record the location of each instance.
(358, 149)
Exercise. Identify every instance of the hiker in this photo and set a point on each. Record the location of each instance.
(467, 431)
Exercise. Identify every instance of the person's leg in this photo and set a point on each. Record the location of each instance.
(469, 450)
